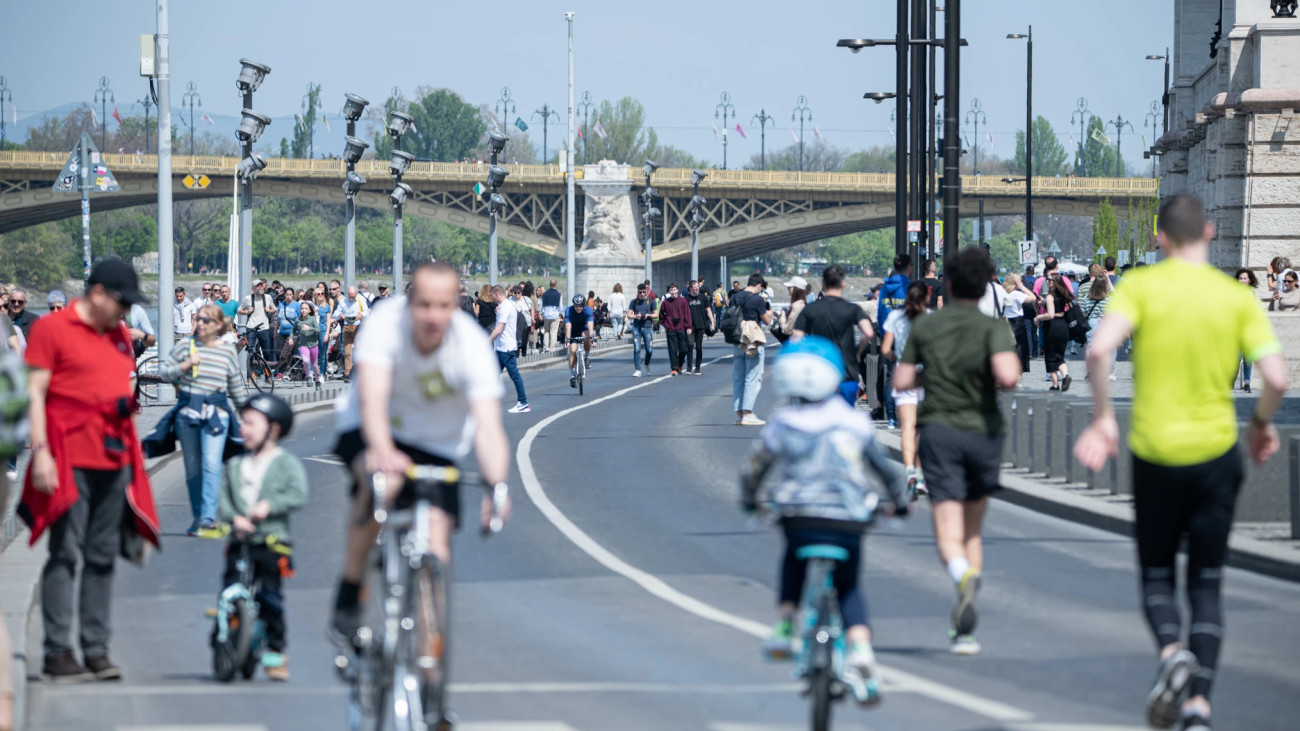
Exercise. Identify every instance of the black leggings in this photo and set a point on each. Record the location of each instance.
(270, 568)
(1022, 342)
(695, 346)
(1198, 502)
(853, 605)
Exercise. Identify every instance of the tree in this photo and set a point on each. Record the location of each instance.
(871, 160)
(671, 157)
(1098, 157)
(626, 139)
(304, 126)
(60, 134)
(1105, 229)
(818, 157)
(38, 256)
(446, 128)
(1049, 153)
(872, 251)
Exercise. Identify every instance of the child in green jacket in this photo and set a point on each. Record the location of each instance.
(258, 491)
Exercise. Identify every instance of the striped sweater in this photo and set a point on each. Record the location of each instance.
(218, 370)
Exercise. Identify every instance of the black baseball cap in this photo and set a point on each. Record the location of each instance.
(119, 279)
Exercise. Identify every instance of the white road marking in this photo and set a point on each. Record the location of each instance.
(898, 679)
(325, 459)
(188, 727)
(674, 688)
(515, 726)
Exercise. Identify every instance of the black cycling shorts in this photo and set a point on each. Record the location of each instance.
(352, 444)
(959, 464)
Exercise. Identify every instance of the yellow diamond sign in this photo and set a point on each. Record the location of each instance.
(189, 181)
(200, 182)
(203, 181)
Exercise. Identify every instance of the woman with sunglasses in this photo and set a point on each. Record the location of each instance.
(1287, 297)
(323, 305)
(207, 376)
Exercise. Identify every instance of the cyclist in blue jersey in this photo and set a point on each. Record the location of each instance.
(579, 323)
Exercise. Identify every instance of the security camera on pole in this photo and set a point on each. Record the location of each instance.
(398, 122)
(649, 216)
(353, 108)
(251, 75)
(697, 220)
(495, 203)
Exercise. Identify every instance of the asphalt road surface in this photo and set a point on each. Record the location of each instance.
(628, 593)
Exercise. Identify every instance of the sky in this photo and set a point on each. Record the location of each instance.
(676, 57)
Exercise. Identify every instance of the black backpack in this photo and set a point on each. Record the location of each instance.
(732, 322)
(1078, 324)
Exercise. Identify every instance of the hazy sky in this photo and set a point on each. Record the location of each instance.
(674, 56)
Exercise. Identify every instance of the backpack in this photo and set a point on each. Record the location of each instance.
(1078, 324)
(13, 403)
(732, 321)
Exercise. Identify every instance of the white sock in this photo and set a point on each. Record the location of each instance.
(957, 568)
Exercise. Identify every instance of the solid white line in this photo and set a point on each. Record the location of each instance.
(675, 688)
(658, 588)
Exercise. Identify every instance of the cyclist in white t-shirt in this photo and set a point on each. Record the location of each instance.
(426, 390)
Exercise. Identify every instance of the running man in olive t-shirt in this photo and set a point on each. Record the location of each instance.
(961, 358)
(1186, 465)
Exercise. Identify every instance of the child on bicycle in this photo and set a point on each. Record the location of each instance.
(824, 493)
(259, 489)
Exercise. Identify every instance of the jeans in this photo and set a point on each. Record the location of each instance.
(202, 448)
(617, 322)
(677, 348)
(642, 337)
(1022, 342)
(746, 378)
(260, 340)
(510, 362)
(1246, 369)
(1031, 334)
(90, 533)
(1093, 332)
(891, 409)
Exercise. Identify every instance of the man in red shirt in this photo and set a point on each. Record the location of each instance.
(87, 469)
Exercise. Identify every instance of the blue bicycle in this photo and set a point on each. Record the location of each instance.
(239, 634)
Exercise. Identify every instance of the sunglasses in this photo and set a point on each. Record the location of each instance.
(334, 289)
(207, 289)
(13, 302)
(205, 320)
(1290, 280)
(56, 308)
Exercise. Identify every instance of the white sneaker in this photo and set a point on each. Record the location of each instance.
(860, 674)
(520, 408)
(751, 420)
(636, 374)
(965, 645)
(1112, 376)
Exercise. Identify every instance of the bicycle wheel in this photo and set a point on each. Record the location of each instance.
(821, 699)
(822, 672)
(421, 666)
(260, 373)
(223, 659)
(147, 379)
(242, 627)
(369, 699)
(582, 377)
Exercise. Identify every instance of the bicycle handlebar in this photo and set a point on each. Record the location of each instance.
(440, 474)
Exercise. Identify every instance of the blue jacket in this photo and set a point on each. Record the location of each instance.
(893, 294)
(162, 440)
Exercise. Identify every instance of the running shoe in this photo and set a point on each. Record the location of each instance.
(276, 665)
(636, 374)
(1166, 697)
(193, 529)
(1196, 722)
(674, 373)
(964, 614)
(893, 423)
(697, 372)
(1065, 383)
(779, 645)
(860, 674)
(911, 482)
(921, 489)
(964, 644)
(573, 381)
(586, 362)
(520, 408)
(751, 420)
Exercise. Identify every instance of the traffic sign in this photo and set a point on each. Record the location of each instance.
(1101, 251)
(914, 226)
(1054, 249)
(98, 176)
(1123, 257)
(1028, 252)
(478, 189)
(913, 237)
(200, 182)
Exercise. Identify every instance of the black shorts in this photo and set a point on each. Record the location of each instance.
(959, 464)
(446, 497)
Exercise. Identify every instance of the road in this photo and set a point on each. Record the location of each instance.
(627, 591)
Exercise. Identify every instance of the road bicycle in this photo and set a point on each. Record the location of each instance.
(147, 378)
(397, 671)
(582, 361)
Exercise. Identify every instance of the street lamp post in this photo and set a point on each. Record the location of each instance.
(505, 105)
(1153, 119)
(648, 216)
(802, 113)
(975, 117)
(1119, 123)
(570, 179)
(495, 203)
(951, 134)
(697, 220)
(763, 118)
(723, 109)
(1029, 129)
(353, 107)
(5, 96)
(251, 75)
(166, 251)
(586, 106)
(146, 102)
(546, 113)
(398, 123)
(1081, 113)
(1164, 93)
(103, 95)
(192, 99)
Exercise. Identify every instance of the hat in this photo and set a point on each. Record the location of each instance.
(383, 288)
(55, 297)
(119, 278)
(797, 283)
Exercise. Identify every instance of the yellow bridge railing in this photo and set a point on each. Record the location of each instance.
(19, 161)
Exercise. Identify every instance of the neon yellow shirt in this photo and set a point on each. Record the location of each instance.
(1191, 325)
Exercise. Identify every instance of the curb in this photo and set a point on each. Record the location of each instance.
(1070, 502)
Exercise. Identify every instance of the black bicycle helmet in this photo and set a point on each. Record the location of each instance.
(275, 409)
(579, 300)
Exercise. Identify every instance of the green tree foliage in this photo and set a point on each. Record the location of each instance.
(1105, 229)
(817, 157)
(447, 128)
(60, 134)
(304, 127)
(1049, 153)
(1098, 157)
(671, 157)
(871, 160)
(627, 138)
(872, 251)
(39, 256)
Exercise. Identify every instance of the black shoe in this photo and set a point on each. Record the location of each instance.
(573, 382)
(344, 625)
(1054, 388)
(1065, 383)
(1196, 722)
(103, 668)
(697, 371)
(63, 668)
(1245, 387)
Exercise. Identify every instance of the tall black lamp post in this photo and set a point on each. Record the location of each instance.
(648, 216)
(1081, 113)
(1029, 129)
(103, 95)
(191, 99)
(975, 117)
(586, 106)
(697, 220)
(1119, 123)
(803, 114)
(398, 123)
(763, 118)
(546, 114)
(1164, 93)
(723, 109)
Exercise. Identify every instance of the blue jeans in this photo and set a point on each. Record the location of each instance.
(642, 337)
(1246, 368)
(891, 409)
(509, 361)
(202, 447)
(746, 378)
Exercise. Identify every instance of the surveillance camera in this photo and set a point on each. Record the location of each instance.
(354, 148)
(495, 204)
(698, 176)
(496, 142)
(698, 200)
(400, 193)
(354, 107)
(401, 162)
(251, 126)
(352, 183)
(398, 123)
(653, 212)
(650, 194)
(496, 176)
(697, 220)
(250, 166)
(251, 75)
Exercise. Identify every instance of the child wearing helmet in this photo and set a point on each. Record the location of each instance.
(824, 470)
(259, 489)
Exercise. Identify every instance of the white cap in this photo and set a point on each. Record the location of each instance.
(797, 283)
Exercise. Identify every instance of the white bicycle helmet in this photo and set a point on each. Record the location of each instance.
(809, 370)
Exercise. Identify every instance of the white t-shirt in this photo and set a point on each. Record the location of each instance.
(898, 324)
(429, 405)
(991, 303)
(508, 340)
(258, 319)
(1014, 305)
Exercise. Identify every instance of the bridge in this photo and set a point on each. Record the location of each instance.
(750, 212)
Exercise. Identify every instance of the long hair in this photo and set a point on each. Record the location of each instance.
(1011, 281)
(618, 288)
(1250, 274)
(1100, 288)
(1061, 291)
(797, 294)
(485, 293)
(918, 296)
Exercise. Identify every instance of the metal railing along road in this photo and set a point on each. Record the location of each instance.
(468, 173)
